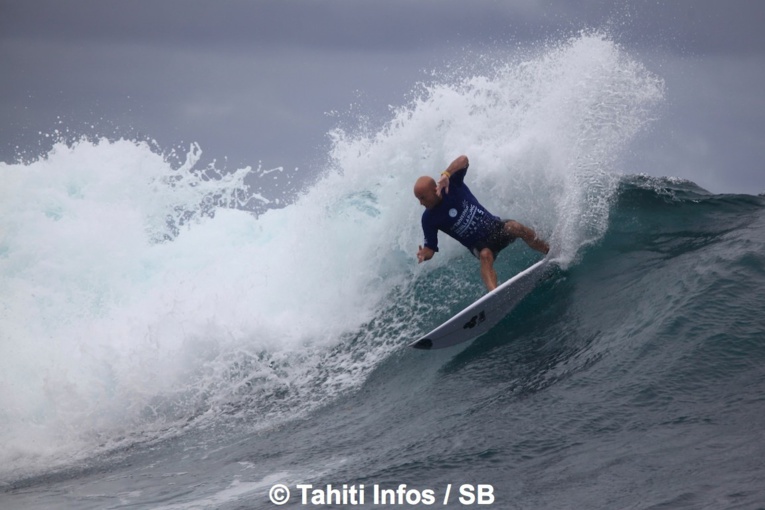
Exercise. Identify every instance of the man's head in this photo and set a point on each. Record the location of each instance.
(425, 191)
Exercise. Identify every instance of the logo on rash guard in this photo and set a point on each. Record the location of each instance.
(467, 223)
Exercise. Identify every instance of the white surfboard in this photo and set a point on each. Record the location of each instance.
(486, 312)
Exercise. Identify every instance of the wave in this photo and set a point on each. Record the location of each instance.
(142, 298)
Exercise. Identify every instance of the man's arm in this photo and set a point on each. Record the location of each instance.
(430, 232)
(459, 164)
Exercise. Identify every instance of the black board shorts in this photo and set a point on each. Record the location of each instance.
(496, 241)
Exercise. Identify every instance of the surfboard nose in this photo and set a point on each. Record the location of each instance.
(423, 343)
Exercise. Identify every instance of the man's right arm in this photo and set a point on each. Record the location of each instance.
(431, 239)
(424, 254)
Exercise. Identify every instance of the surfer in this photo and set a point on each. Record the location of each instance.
(459, 214)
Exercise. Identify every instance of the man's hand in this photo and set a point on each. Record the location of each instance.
(424, 254)
(443, 184)
(458, 165)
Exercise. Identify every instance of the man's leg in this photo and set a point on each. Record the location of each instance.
(488, 274)
(528, 235)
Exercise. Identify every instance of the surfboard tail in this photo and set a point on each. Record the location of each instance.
(423, 343)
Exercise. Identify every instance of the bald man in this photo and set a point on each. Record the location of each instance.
(451, 208)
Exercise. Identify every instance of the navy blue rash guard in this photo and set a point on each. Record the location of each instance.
(459, 215)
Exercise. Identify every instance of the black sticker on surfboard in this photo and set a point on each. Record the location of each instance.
(474, 321)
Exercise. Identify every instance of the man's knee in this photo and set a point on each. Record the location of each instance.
(515, 228)
(486, 256)
(520, 230)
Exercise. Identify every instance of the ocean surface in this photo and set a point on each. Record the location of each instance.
(178, 336)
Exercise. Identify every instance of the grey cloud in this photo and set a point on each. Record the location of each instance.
(699, 26)
(253, 80)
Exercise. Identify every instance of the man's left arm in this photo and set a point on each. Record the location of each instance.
(458, 165)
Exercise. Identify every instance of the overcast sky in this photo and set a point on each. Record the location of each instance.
(257, 80)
